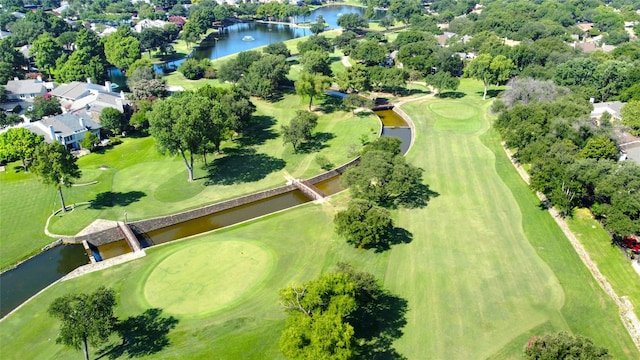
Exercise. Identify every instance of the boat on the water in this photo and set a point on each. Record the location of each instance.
(248, 38)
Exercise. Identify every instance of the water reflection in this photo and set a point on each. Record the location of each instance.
(33, 275)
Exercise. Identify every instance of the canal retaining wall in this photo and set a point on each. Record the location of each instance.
(144, 226)
(100, 237)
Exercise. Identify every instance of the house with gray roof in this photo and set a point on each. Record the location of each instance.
(17, 90)
(68, 129)
(71, 92)
(90, 97)
(614, 108)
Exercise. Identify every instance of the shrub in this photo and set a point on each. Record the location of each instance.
(323, 162)
(191, 69)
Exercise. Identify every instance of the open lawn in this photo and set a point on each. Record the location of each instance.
(486, 270)
(134, 177)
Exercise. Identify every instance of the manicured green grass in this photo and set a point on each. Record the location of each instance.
(300, 249)
(146, 184)
(486, 268)
(23, 199)
(177, 79)
(235, 266)
(613, 264)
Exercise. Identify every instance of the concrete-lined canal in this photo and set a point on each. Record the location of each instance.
(28, 278)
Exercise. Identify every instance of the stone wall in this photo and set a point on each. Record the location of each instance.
(144, 226)
(333, 173)
(101, 237)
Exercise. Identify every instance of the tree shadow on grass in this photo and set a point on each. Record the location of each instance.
(141, 335)
(260, 131)
(395, 237)
(111, 199)
(491, 93)
(329, 104)
(317, 143)
(378, 324)
(418, 198)
(241, 166)
(451, 95)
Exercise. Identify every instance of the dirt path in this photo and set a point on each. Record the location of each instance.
(628, 316)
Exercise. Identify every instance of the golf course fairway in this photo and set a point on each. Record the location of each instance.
(486, 268)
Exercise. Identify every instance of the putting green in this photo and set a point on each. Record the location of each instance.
(206, 277)
(456, 116)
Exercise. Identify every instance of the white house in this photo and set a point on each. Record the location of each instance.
(90, 97)
(68, 129)
(612, 107)
(146, 23)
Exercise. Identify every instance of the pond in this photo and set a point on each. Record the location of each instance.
(236, 38)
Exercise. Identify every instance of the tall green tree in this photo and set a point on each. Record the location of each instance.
(152, 38)
(344, 314)
(299, 129)
(45, 106)
(631, 116)
(79, 66)
(89, 42)
(562, 346)
(387, 22)
(317, 27)
(352, 22)
(354, 101)
(383, 176)
(191, 33)
(353, 79)
(443, 80)
(278, 48)
(122, 48)
(180, 125)
(56, 166)
(490, 70)
(364, 224)
(19, 143)
(312, 86)
(113, 120)
(371, 53)
(265, 76)
(85, 318)
(47, 50)
(316, 62)
(11, 60)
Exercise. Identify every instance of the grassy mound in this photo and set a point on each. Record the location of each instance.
(207, 277)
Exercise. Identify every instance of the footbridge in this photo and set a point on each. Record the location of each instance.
(309, 190)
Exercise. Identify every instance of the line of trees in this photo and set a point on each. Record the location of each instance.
(383, 179)
(573, 161)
